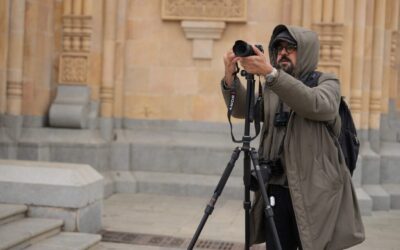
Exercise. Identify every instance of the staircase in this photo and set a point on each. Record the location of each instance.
(20, 232)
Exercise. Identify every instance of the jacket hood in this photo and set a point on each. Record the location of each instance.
(307, 49)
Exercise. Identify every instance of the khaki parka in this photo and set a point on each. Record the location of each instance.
(323, 196)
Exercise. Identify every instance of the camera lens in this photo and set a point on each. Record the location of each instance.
(242, 49)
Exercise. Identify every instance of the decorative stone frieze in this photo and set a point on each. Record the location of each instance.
(227, 10)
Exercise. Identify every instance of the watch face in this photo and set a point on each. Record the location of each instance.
(269, 78)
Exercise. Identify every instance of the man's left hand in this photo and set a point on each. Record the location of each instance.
(257, 65)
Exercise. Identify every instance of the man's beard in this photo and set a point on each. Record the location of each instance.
(287, 67)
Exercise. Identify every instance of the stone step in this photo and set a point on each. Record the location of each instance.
(11, 212)
(23, 233)
(204, 186)
(187, 184)
(67, 241)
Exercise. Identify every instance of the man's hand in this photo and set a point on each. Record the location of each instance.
(230, 61)
(257, 65)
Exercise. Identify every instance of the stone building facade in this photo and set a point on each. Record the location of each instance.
(110, 82)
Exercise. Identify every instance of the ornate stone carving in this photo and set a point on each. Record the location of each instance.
(77, 32)
(73, 68)
(331, 42)
(222, 10)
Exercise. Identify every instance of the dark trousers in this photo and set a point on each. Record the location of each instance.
(285, 220)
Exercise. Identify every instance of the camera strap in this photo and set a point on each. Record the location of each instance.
(257, 111)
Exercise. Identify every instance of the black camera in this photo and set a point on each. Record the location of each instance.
(243, 49)
(281, 119)
(268, 168)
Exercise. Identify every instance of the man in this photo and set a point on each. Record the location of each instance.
(316, 206)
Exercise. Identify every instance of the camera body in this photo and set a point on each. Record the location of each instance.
(268, 168)
(281, 119)
(243, 49)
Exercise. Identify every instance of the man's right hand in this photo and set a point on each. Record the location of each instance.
(230, 61)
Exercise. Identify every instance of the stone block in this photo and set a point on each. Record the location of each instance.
(33, 151)
(49, 184)
(71, 192)
(70, 108)
(390, 158)
(357, 174)
(124, 181)
(364, 202)
(370, 167)
(187, 184)
(394, 192)
(120, 155)
(86, 219)
(380, 198)
(93, 154)
(12, 126)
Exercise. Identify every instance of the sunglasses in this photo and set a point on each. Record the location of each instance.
(289, 48)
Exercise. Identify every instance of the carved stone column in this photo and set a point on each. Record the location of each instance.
(4, 30)
(108, 70)
(357, 74)
(120, 60)
(74, 66)
(377, 72)
(15, 57)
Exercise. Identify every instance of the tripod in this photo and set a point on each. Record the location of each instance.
(250, 156)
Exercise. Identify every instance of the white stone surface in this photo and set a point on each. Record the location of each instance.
(70, 108)
(11, 212)
(49, 184)
(67, 241)
(17, 233)
(87, 219)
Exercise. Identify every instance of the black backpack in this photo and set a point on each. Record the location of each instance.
(348, 139)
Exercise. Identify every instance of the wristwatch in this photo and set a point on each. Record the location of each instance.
(269, 78)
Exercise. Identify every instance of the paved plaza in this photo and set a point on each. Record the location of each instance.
(128, 219)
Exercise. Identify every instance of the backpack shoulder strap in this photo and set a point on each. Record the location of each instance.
(312, 79)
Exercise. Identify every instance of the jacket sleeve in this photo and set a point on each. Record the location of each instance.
(320, 103)
(239, 109)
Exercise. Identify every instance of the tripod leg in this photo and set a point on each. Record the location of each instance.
(269, 214)
(217, 192)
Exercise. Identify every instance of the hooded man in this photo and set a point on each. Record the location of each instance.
(316, 206)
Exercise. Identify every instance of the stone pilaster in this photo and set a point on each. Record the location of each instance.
(108, 74)
(107, 85)
(357, 66)
(75, 65)
(120, 60)
(377, 72)
(4, 30)
(15, 57)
